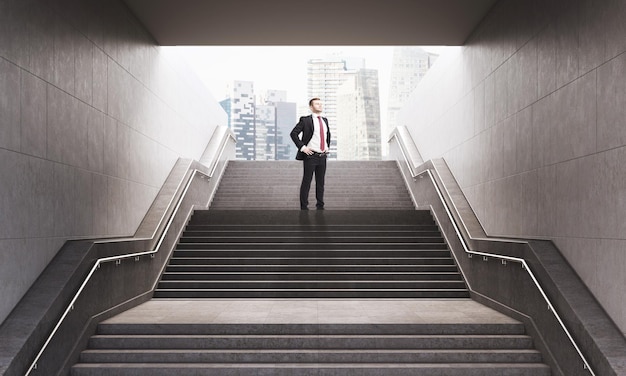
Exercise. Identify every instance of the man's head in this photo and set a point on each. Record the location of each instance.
(315, 104)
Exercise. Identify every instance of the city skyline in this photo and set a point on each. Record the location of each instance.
(350, 93)
(324, 77)
(281, 67)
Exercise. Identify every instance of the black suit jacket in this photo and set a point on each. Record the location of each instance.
(306, 127)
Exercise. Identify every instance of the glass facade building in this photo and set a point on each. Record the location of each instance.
(262, 129)
(323, 79)
(358, 117)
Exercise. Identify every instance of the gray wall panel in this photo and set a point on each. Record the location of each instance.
(548, 151)
(93, 117)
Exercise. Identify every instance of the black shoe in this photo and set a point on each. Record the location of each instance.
(304, 208)
(320, 208)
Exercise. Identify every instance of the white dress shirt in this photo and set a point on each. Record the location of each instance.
(314, 144)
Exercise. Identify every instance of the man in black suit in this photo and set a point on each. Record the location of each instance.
(313, 151)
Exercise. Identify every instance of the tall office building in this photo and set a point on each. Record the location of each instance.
(358, 117)
(241, 118)
(278, 141)
(265, 128)
(286, 118)
(262, 129)
(409, 65)
(324, 76)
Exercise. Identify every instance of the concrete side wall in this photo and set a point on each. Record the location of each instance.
(530, 115)
(93, 116)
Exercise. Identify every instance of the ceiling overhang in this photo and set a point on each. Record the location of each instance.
(319, 22)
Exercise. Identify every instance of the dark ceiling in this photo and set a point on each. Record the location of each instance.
(320, 22)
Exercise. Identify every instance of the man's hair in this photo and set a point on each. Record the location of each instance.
(313, 99)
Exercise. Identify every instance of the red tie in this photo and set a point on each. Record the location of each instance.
(322, 143)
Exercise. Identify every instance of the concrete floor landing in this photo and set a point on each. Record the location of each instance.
(310, 311)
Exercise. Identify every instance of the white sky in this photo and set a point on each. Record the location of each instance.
(279, 67)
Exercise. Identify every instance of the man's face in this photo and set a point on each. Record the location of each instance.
(316, 106)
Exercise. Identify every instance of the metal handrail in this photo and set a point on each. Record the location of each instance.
(103, 260)
(118, 258)
(470, 252)
(230, 135)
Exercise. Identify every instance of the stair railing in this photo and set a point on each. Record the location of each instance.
(485, 255)
(137, 255)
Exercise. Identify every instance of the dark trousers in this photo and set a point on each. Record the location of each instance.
(313, 164)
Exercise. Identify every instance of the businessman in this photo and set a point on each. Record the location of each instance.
(312, 138)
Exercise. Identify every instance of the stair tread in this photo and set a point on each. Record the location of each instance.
(316, 273)
(298, 243)
(465, 328)
(310, 289)
(329, 236)
(315, 365)
(316, 281)
(316, 336)
(297, 351)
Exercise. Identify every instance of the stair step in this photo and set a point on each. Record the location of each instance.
(310, 356)
(217, 228)
(373, 191)
(345, 179)
(314, 250)
(320, 369)
(324, 238)
(311, 293)
(318, 233)
(294, 206)
(300, 329)
(266, 268)
(355, 262)
(304, 256)
(407, 272)
(327, 218)
(299, 275)
(291, 217)
(385, 188)
(311, 284)
(310, 341)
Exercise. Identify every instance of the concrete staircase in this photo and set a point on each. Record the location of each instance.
(311, 254)
(374, 244)
(276, 185)
(311, 349)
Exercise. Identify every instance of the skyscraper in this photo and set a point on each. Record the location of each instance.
(262, 129)
(286, 118)
(324, 76)
(409, 65)
(241, 110)
(265, 129)
(355, 123)
(358, 117)
(278, 140)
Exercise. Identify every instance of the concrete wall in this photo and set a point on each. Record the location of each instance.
(93, 116)
(530, 115)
